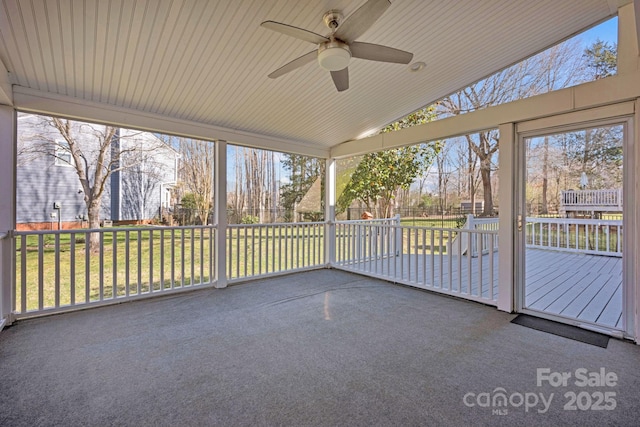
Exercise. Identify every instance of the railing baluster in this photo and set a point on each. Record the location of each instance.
(72, 269)
(212, 266)
(423, 257)
(285, 242)
(469, 265)
(201, 256)
(450, 259)
(127, 243)
(432, 244)
(491, 294)
(101, 267)
(57, 271)
(440, 259)
(245, 240)
(87, 269)
(40, 272)
(192, 234)
(23, 274)
(182, 246)
(238, 251)
(273, 248)
(480, 255)
(114, 263)
(173, 258)
(151, 260)
(139, 269)
(260, 250)
(161, 259)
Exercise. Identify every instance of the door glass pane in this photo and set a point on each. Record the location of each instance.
(573, 228)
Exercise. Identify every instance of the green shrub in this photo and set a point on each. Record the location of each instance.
(250, 219)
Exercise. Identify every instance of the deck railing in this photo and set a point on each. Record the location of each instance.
(56, 270)
(257, 250)
(420, 256)
(367, 240)
(591, 200)
(467, 240)
(598, 237)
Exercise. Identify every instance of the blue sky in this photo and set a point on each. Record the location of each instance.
(607, 31)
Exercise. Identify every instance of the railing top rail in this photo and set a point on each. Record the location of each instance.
(419, 227)
(368, 221)
(485, 220)
(570, 221)
(111, 229)
(275, 224)
(604, 190)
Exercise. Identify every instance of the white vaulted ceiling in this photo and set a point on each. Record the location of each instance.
(207, 61)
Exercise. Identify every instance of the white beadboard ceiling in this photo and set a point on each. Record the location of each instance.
(207, 61)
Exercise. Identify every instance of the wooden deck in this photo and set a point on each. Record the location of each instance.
(578, 286)
(583, 287)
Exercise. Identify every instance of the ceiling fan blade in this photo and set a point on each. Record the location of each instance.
(341, 79)
(360, 20)
(296, 63)
(376, 52)
(290, 30)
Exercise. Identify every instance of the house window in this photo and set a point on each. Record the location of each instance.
(63, 155)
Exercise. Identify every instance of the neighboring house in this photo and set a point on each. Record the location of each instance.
(48, 190)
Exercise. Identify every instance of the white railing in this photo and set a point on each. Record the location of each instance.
(419, 256)
(56, 271)
(367, 240)
(467, 240)
(598, 237)
(256, 250)
(591, 200)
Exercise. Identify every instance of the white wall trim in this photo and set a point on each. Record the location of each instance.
(636, 10)
(35, 101)
(6, 92)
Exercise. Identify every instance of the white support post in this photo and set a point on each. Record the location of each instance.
(507, 218)
(631, 226)
(636, 10)
(628, 38)
(220, 212)
(7, 210)
(330, 212)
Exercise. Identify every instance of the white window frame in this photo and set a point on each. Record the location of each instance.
(58, 158)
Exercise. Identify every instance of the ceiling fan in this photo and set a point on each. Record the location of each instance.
(336, 50)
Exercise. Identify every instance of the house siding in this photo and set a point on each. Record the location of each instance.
(40, 183)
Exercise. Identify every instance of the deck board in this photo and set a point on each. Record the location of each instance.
(579, 286)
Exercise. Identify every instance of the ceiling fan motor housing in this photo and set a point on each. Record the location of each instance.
(334, 55)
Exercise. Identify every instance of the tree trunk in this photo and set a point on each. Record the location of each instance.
(485, 173)
(93, 213)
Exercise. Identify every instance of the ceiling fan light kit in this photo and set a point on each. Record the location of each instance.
(335, 51)
(334, 55)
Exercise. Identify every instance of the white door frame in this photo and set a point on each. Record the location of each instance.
(617, 114)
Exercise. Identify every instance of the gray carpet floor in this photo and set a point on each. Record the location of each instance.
(317, 348)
